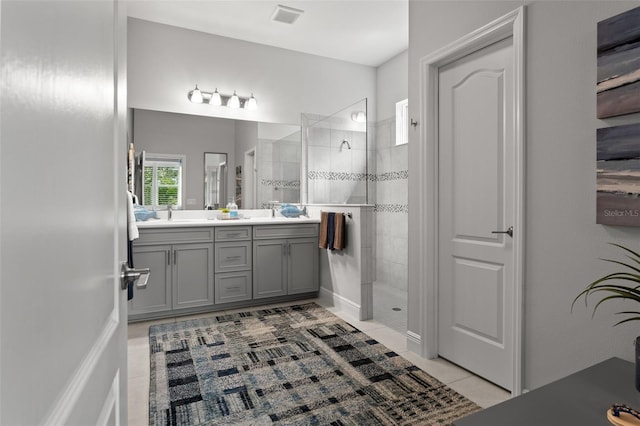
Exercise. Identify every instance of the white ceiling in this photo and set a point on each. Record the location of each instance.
(367, 32)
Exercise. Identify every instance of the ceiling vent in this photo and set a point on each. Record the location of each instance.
(285, 14)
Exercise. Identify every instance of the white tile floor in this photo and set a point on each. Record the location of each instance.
(390, 306)
(481, 392)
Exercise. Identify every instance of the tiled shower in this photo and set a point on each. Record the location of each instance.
(371, 170)
(349, 161)
(391, 230)
(337, 151)
(279, 171)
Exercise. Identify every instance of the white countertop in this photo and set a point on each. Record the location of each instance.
(193, 222)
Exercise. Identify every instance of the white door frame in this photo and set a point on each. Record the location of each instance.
(510, 25)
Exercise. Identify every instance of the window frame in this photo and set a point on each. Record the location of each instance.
(402, 122)
(159, 160)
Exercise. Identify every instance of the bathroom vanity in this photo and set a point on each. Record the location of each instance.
(201, 265)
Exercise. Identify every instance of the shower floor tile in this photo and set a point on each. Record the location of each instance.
(390, 306)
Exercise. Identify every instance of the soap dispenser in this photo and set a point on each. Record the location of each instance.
(233, 208)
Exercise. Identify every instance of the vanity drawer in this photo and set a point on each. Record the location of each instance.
(233, 233)
(233, 287)
(285, 231)
(174, 235)
(233, 256)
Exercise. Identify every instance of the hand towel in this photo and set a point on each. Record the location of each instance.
(132, 228)
(132, 234)
(322, 238)
(339, 242)
(331, 230)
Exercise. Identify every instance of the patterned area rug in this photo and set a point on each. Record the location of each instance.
(296, 365)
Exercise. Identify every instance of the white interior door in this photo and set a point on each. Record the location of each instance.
(476, 197)
(63, 181)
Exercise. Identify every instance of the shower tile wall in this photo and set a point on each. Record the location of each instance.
(391, 207)
(337, 174)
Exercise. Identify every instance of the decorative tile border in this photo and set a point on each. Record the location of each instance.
(391, 208)
(401, 175)
(344, 176)
(347, 176)
(281, 183)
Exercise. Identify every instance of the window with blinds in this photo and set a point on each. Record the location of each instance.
(162, 178)
(402, 122)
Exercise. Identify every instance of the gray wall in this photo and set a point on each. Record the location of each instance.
(246, 139)
(391, 85)
(190, 135)
(563, 242)
(165, 62)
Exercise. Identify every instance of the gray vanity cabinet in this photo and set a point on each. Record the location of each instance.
(193, 275)
(181, 265)
(156, 297)
(285, 260)
(302, 265)
(199, 269)
(233, 281)
(269, 268)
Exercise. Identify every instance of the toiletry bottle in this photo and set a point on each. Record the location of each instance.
(233, 208)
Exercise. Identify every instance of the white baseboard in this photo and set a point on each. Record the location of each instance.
(414, 342)
(329, 298)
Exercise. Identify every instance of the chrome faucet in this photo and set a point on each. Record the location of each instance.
(169, 212)
(272, 205)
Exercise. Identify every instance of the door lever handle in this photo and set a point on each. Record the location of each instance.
(509, 232)
(137, 276)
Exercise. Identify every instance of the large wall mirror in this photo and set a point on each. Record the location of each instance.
(262, 161)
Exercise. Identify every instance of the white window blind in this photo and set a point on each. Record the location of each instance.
(402, 122)
(163, 180)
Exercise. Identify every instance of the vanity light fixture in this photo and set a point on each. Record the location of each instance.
(234, 101)
(251, 103)
(196, 96)
(216, 98)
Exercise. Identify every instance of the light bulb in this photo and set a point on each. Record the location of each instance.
(234, 101)
(358, 117)
(251, 104)
(196, 96)
(215, 98)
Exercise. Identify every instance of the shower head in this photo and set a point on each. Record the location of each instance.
(344, 141)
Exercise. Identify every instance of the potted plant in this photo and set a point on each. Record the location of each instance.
(610, 285)
(624, 284)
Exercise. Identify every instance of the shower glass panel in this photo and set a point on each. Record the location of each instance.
(335, 149)
(278, 159)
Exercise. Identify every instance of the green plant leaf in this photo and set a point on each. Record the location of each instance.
(615, 285)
